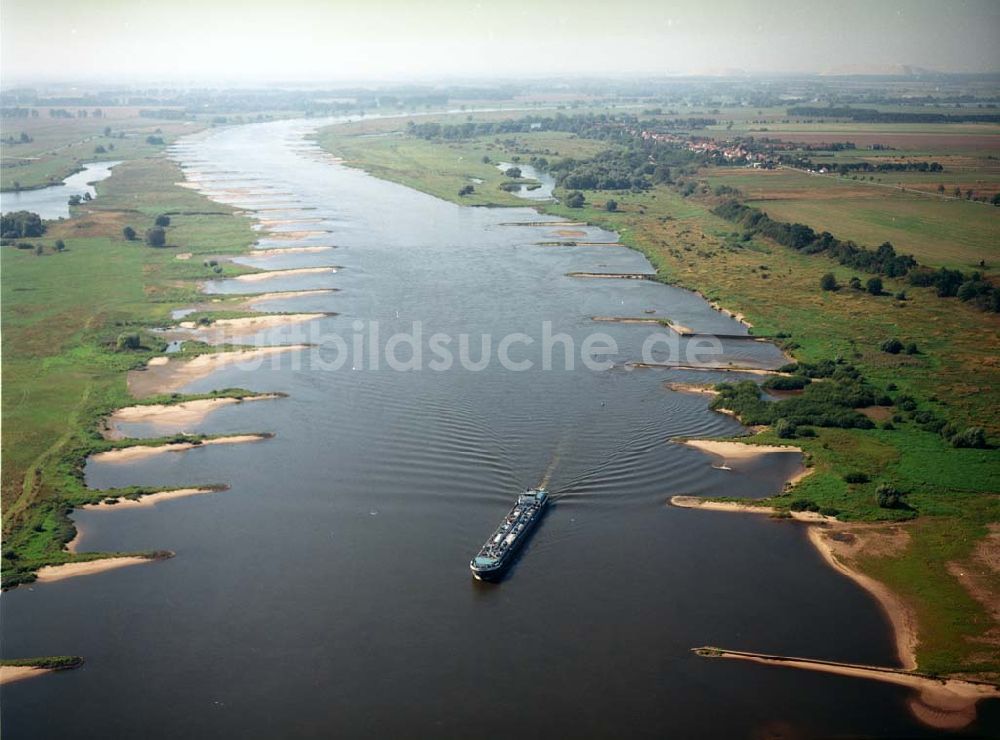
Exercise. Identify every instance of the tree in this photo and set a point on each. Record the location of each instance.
(514, 172)
(19, 224)
(828, 282)
(611, 206)
(970, 437)
(888, 497)
(163, 220)
(129, 233)
(575, 199)
(874, 286)
(156, 237)
(466, 190)
(892, 346)
(99, 149)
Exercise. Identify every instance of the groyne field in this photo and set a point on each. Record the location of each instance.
(894, 387)
(80, 303)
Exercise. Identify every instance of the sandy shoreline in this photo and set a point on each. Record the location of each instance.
(164, 375)
(278, 251)
(141, 452)
(254, 277)
(736, 450)
(278, 295)
(145, 502)
(253, 323)
(187, 412)
(12, 673)
(51, 573)
(947, 704)
(902, 618)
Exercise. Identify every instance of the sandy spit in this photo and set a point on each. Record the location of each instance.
(145, 502)
(141, 452)
(901, 616)
(946, 704)
(50, 573)
(696, 502)
(254, 323)
(736, 450)
(278, 251)
(188, 412)
(698, 388)
(163, 375)
(285, 294)
(12, 673)
(257, 276)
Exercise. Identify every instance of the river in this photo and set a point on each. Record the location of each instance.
(53, 202)
(327, 593)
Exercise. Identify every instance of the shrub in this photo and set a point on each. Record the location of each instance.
(785, 383)
(129, 233)
(163, 220)
(575, 199)
(803, 504)
(888, 497)
(784, 429)
(60, 245)
(874, 286)
(855, 283)
(892, 346)
(611, 206)
(856, 476)
(911, 349)
(156, 237)
(75, 200)
(466, 190)
(829, 511)
(901, 295)
(828, 282)
(514, 172)
(970, 437)
(805, 431)
(127, 341)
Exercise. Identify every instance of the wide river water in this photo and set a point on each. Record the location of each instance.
(327, 593)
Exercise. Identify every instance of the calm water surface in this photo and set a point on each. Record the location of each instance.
(327, 593)
(53, 202)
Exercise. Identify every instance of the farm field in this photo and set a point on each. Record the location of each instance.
(937, 231)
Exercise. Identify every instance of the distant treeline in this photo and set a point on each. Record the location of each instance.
(882, 261)
(870, 115)
(163, 113)
(591, 126)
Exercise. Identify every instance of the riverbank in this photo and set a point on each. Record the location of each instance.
(945, 704)
(775, 290)
(167, 375)
(170, 415)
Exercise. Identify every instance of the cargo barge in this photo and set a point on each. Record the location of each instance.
(496, 555)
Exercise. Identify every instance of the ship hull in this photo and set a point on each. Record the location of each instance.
(495, 571)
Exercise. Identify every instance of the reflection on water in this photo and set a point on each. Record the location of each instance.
(327, 593)
(53, 202)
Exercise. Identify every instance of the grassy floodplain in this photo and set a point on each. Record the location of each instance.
(62, 315)
(60, 146)
(952, 493)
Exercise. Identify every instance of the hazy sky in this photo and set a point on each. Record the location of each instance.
(284, 40)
